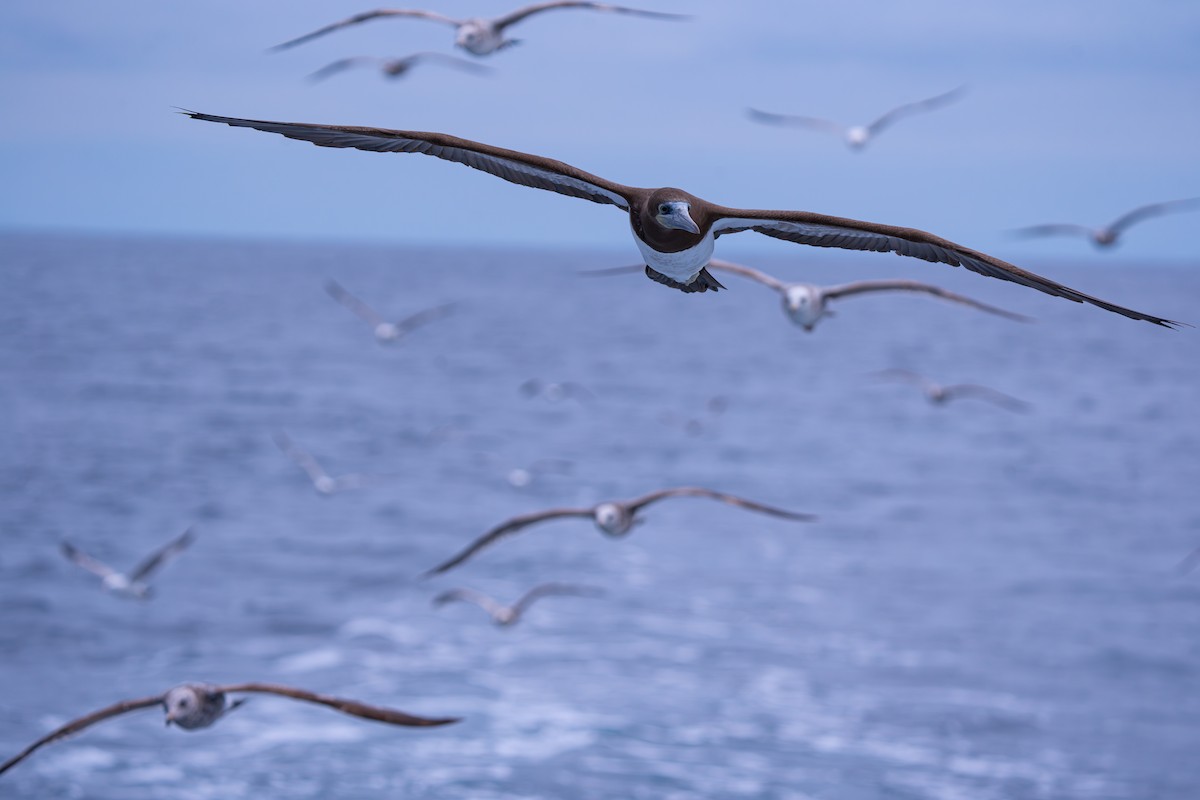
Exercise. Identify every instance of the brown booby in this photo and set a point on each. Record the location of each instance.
(1107, 235)
(857, 136)
(614, 518)
(197, 705)
(397, 67)
(476, 35)
(134, 584)
(939, 395)
(502, 615)
(674, 230)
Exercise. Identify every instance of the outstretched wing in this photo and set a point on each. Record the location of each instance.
(821, 230)
(164, 554)
(1053, 229)
(504, 529)
(989, 394)
(862, 287)
(695, 491)
(300, 456)
(796, 120)
(365, 17)
(343, 64)
(747, 272)
(548, 589)
(514, 17)
(907, 376)
(414, 321)
(116, 709)
(82, 559)
(511, 165)
(911, 108)
(360, 309)
(352, 707)
(468, 596)
(1152, 210)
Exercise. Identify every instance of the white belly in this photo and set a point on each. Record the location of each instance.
(681, 266)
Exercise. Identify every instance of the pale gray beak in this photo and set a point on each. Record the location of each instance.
(679, 219)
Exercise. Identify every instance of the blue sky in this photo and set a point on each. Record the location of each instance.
(1075, 112)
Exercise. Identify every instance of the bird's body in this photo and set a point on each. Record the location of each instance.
(614, 518)
(856, 137)
(939, 395)
(479, 36)
(192, 706)
(673, 229)
(1108, 235)
(133, 584)
(503, 616)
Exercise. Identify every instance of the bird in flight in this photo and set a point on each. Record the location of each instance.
(614, 518)
(1107, 235)
(322, 481)
(133, 584)
(191, 706)
(386, 332)
(477, 35)
(938, 395)
(504, 616)
(397, 67)
(674, 230)
(807, 304)
(857, 136)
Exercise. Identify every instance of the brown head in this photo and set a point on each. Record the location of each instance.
(670, 220)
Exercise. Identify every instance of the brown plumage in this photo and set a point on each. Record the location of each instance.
(196, 705)
(675, 230)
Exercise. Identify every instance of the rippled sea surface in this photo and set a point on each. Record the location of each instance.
(987, 607)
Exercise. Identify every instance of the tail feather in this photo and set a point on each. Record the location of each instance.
(701, 283)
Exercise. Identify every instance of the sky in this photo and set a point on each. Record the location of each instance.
(1074, 112)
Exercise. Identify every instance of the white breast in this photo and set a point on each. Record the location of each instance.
(681, 266)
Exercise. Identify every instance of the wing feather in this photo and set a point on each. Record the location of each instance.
(76, 725)
(506, 529)
(365, 17)
(696, 491)
(510, 165)
(861, 287)
(352, 707)
(820, 230)
(162, 556)
(747, 272)
(500, 23)
(82, 559)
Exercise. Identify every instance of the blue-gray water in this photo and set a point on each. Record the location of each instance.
(987, 608)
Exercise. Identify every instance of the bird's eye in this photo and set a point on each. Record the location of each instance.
(664, 209)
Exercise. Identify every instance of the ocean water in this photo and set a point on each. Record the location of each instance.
(987, 607)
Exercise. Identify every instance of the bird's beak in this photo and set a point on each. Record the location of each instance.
(680, 219)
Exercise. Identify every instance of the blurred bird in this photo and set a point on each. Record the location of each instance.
(503, 616)
(197, 705)
(133, 584)
(714, 407)
(397, 67)
(675, 231)
(940, 395)
(386, 332)
(806, 304)
(857, 136)
(321, 480)
(556, 392)
(614, 518)
(476, 35)
(1107, 235)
